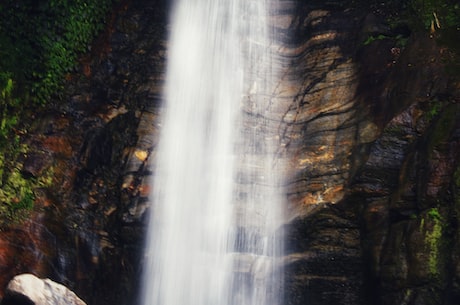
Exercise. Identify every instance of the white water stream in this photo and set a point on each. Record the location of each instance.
(215, 205)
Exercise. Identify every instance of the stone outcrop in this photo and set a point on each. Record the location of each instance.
(27, 289)
(368, 143)
(408, 190)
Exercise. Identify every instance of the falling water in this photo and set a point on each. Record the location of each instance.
(215, 207)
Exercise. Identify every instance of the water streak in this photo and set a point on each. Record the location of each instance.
(215, 206)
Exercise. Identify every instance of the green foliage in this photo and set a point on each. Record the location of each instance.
(372, 38)
(399, 40)
(16, 192)
(7, 88)
(40, 42)
(7, 104)
(434, 214)
(437, 14)
(439, 17)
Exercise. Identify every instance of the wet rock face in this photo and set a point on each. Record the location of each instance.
(115, 110)
(406, 190)
(323, 262)
(21, 250)
(372, 129)
(409, 195)
(89, 224)
(368, 140)
(321, 124)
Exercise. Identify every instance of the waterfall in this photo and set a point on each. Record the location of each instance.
(215, 206)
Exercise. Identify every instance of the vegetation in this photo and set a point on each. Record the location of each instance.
(15, 191)
(40, 42)
(436, 14)
(433, 240)
(440, 16)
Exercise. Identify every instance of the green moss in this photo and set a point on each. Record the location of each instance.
(433, 240)
(434, 110)
(422, 224)
(434, 214)
(16, 193)
(407, 295)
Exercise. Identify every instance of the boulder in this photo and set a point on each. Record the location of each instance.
(29, 289)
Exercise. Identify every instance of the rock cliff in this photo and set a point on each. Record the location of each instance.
(369, 143)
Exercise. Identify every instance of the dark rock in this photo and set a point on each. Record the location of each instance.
(368, 140)
(36, 164)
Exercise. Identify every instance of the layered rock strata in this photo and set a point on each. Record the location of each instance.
(367, 138)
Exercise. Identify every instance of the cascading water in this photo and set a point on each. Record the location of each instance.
(215, 204)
